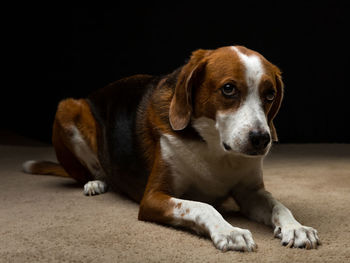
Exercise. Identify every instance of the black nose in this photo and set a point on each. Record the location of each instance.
(259, 140)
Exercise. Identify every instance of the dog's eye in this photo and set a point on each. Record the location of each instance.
(229, 90)
(270, 96)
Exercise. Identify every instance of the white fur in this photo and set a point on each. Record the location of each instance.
(205, 171)
(95, 187)
(84, 153)
(27, 166)
(253, 68)
(203, 218)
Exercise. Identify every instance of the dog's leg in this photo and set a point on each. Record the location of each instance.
(260, 206)
(200, 217)
(75, 141)
(90, 160)
(158, 206)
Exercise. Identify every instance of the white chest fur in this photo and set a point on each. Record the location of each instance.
(204, 171)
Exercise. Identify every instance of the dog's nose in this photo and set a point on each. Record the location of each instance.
(259, 140)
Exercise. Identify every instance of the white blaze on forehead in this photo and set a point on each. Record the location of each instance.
(253, 73)
(253, 68)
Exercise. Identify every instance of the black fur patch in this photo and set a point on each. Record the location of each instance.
(115, 109)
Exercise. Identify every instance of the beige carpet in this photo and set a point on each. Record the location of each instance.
(48, 219)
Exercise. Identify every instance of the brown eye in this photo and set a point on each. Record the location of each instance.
(229, 90)
(270, 96)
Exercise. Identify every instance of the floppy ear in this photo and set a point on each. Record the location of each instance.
(276, 104)
(181, 104)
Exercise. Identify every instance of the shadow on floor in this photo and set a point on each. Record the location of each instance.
(11, 138)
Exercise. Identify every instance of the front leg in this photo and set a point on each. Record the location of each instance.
(260, 206)
(200, 217)
(159, 206)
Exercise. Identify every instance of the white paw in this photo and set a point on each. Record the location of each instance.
(298, 236)
(234, 238)
(95, 187)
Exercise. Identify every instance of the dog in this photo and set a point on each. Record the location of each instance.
(181, 144)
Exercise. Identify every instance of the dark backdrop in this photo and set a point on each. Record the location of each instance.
(57, 53)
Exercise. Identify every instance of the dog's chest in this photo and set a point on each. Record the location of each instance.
(202, 173)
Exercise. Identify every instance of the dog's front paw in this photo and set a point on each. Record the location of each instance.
(95, 187)
(298, 236)
(234, 238)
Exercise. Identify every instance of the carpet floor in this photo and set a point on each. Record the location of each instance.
(48, 219)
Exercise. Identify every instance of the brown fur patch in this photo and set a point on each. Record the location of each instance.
(155, 204)
(46, 167)
(181, 104)
(178, 205)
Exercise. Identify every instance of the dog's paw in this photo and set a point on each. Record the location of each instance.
(298, 236)
(95, 187)
(234, 238)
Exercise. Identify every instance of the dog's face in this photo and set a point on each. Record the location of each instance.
(236, 90)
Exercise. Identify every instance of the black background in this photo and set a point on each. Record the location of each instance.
(58, 52)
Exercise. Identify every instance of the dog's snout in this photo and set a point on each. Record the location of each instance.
(259, 139)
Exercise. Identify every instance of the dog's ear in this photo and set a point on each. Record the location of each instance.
(181, 104)
(276, 104)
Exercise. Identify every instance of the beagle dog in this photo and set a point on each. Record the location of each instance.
(181, 144)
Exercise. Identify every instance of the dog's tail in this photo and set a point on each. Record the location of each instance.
(44, 167)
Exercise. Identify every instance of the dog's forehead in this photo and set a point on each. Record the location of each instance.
(225, 61)
(242, 64)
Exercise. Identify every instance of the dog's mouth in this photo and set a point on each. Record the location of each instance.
(256, 153)
(247, 152)
(226, 146)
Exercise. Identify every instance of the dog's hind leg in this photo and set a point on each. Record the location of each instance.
(75, 141)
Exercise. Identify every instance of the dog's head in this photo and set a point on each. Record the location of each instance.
(235, 90)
